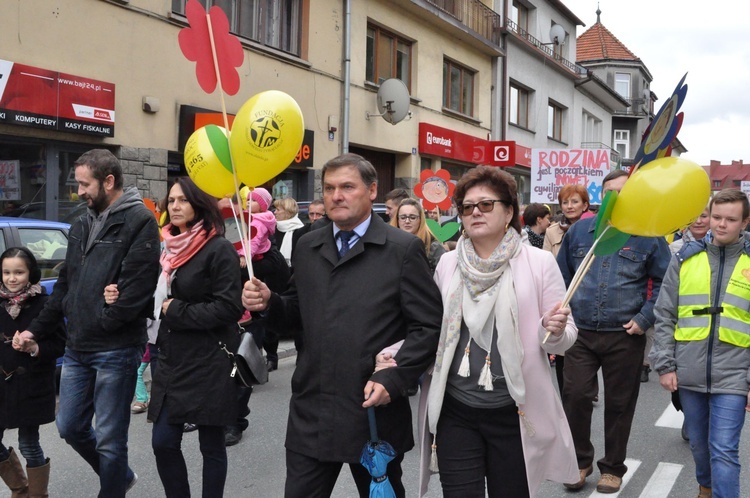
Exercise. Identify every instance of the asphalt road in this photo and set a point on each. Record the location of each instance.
(659, 460)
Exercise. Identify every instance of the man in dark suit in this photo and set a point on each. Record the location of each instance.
(359, 285)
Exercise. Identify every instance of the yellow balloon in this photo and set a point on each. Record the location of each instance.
(661, 197)
(207, 161)
(266, 136)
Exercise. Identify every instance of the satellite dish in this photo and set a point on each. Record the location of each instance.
(557, 34)
(393, 101)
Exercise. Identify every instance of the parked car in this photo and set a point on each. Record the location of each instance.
(378, 207)
(67, 211)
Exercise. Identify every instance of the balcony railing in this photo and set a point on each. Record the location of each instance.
(638, 107)
(522, 33)
(474, 15)
(615, 158)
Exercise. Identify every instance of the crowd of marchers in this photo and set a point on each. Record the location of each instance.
(379, 312)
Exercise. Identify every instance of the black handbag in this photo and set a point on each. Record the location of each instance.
(248, 365)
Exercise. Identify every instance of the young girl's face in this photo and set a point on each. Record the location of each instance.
(15, 274)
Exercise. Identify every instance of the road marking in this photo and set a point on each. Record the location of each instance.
(671, 418)
(632, 466)
(662, 480)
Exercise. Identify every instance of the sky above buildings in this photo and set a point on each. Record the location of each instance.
(704, 39)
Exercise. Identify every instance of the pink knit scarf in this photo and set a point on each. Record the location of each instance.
(178, 249)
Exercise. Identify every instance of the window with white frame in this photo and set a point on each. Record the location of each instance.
(274, 23)
(458, 87)
(592, 128)
(622, 84)
(518, 106)
(388, 56)
(555, 120)
(622, 143)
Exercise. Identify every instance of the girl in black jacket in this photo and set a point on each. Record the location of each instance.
(27, 397)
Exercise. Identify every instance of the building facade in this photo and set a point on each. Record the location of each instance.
(476, 71)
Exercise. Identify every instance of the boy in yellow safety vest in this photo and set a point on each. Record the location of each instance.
(702, 342)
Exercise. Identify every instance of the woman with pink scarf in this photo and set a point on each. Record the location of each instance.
(198, 298)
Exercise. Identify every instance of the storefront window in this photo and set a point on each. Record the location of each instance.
(23, 180)
(524, 188)
(38, 180)
(456, 170)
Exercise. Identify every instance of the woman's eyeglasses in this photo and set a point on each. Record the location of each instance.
(484, 207)
(410, 217)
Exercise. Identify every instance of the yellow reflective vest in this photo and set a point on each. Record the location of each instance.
(696, 307)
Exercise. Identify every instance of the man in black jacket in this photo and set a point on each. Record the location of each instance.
(359, 285)
(116, 242)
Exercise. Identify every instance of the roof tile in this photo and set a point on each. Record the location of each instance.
(598, 42)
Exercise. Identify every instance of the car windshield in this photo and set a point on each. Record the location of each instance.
(48, 245)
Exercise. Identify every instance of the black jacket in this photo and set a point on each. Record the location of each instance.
(125, 252)
(27, 397)
(381, 292)
(193, 373)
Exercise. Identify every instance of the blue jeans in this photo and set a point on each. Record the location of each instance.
(28, 445)
(714, 423)
(101, 384)
(166, 441)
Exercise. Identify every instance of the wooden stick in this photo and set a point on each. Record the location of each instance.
(574, 285)
(243, 231)
(583, 269)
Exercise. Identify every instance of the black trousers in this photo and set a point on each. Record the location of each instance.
(620, 356)
(307, 477)
(475, 445)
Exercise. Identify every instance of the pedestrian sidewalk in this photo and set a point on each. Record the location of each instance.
(286, 348)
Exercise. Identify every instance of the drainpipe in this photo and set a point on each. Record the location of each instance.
(504, 81)
(347, 75)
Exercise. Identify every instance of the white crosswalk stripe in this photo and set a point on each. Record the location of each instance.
(662, 480)
(632, 466)
(670, 418)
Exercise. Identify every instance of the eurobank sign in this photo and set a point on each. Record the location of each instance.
(42, 98)
(442, 142)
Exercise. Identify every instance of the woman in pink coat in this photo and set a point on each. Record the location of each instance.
(489, 415)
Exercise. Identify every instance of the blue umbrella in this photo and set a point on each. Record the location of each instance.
(375, 457)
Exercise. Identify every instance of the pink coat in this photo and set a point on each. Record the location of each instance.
(262, 227)
(549, 453)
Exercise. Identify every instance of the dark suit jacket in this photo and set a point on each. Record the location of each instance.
(380, 293)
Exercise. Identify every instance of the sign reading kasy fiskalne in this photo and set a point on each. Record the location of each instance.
(31, 96)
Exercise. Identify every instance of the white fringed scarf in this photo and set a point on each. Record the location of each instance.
(481, 294)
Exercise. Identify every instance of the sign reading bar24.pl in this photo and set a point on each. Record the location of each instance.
(31, 96)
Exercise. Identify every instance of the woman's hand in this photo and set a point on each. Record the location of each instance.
(555, 320)
(243, 262)
(384, 360)
(165, 305)
(111, 294)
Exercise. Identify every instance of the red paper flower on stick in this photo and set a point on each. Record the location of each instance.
(195, 44)
(436, 189)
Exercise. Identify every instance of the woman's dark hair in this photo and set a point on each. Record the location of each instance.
(206, 207)
(35, 274)
(498, 180)
(533, 212)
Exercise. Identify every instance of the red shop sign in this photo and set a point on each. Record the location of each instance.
(442, 142)
(41, 98)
